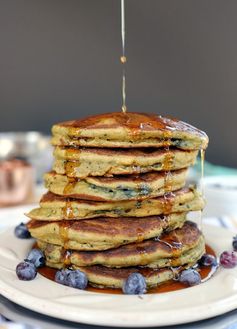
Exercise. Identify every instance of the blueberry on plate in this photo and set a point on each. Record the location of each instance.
(135, 284)
(76, 279)
(21, 231)
(190, 277)
(228, 259)
(61, 276)
(26, 271)
(234, 243)
(207, 260)
(36, 257)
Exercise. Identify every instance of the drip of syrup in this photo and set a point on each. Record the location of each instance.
(140, 235)
(70, 168)
(68, 211)
(168, 202)
(67, 259)
(68, 189)
(202, 153)
(63, 232)
(123, 58)
(202, 171)
(167, 165)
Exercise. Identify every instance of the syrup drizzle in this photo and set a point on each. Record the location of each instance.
(202, 153)
(63, 232)
(167, 165)
(68, 211)
(68, 189)
(202, 170)
(123, 58)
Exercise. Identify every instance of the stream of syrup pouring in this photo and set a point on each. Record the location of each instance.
(123, 58)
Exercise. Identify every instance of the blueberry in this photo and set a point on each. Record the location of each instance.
(234, 243)
(228, 259)
(135, 284)
(26, 271)
(208, 260)
(22, 232)
(190, 277)
(61, 276)
(76, 279)
(36, 257)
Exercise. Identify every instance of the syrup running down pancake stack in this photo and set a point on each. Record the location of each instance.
(117, 200)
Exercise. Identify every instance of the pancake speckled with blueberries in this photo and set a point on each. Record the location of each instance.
(107, 277)
(117, 188)
(129, 130)
(179, 247)
(103, 233)
(84, 162)
(55, 207)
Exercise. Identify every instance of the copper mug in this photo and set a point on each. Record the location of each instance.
(16, 182)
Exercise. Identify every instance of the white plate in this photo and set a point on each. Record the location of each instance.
(214, 297)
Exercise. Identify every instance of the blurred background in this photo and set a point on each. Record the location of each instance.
(60, 60)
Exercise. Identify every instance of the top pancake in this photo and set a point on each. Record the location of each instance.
(119, 129)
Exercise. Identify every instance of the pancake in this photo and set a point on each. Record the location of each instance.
(128, 130)
(117, 188)
(178, 247)
(104, 277)
(55, 207)
(73, 259)
(84, 162)
(107, 277)
(103, 233)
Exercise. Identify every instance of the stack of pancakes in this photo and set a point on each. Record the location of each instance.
(117, 201)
